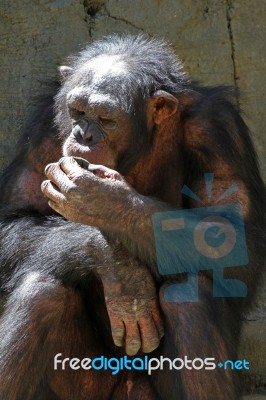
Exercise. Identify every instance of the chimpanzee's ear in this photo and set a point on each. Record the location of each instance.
(162, 105)
(65, 71)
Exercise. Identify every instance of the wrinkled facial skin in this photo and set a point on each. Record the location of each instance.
(101, 131)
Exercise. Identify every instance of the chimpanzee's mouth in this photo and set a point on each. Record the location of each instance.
(95, 153)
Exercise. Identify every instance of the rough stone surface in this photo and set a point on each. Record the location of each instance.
(248, 24)
(35, 36)
(219, 41)
(198, 32)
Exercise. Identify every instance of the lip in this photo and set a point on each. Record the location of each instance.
(96, 154)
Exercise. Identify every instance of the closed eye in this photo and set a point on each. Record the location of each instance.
(76, 114)
(107, 123)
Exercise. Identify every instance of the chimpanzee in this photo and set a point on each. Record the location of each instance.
(126, 106)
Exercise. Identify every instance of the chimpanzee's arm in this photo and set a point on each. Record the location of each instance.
(216, 141)
(72, 253)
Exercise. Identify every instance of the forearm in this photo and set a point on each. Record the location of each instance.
(132, 225)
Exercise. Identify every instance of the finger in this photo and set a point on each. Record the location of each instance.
(103, 172)
(157, 318)
(118, 332)
(54, 206)
(149, 335)
(57, 176)
(132, 340)
(52, 192)
(70, 166)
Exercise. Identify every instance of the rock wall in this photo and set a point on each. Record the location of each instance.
(219, 41)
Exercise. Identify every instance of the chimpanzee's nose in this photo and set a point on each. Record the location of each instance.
(82, 131)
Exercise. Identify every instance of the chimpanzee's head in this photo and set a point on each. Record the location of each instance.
(113, 97)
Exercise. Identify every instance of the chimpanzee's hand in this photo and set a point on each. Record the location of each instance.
(132, 305)
(86, 193)
(98, 196)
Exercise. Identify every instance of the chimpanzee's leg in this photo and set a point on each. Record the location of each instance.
(207, 328)
(42, 318)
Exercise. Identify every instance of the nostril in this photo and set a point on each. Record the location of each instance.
(87, 136)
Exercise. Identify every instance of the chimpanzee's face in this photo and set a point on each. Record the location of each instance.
(101, 130)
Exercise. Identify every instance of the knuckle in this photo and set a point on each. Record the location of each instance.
(75, 178)
(63, 160)
(134, 341)
(69, 189)
(50, 169)
(44, 185)
(118, 337)
(137, 340)
(133, 347)
(117, 332)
